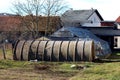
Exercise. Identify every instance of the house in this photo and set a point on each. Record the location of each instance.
(116, 29)
(13, 27)
(9, 23)
(118, 22)
(16, 23)
(89, 17)
(108, 23)
(117, 38)
(91, 20)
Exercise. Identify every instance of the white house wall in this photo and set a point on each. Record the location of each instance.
(95, 20)
(118, 42)
(118, 38)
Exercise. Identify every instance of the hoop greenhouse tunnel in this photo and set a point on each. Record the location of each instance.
(54, 50)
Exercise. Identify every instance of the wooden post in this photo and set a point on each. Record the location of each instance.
(4, 52)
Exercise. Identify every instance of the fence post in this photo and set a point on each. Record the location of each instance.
(3, 50)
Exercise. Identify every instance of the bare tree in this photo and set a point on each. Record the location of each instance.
(53, 8)
(33, 9)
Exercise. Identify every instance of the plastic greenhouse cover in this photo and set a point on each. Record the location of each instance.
(102, 48)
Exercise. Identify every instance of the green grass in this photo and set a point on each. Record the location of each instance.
(4, 64)
(107, 69)
(9, 54)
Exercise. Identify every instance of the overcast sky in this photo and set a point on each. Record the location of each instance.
(109, 9)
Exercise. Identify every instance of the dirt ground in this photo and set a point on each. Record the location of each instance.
(39, 72)
(32, 72)
(20, 74)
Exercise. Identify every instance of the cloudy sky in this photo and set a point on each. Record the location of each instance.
(109, 9)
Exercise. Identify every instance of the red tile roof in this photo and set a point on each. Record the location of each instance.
(8, 23)
(13, 23)
(118, 19)
(107, 23)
